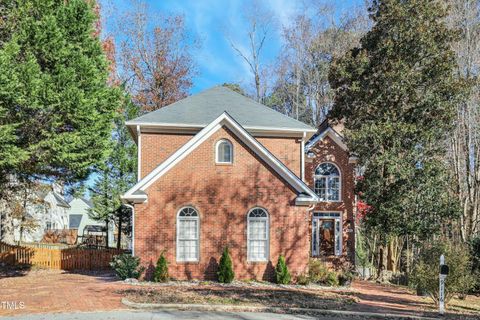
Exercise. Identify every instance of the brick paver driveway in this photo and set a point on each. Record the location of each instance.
(44, 291)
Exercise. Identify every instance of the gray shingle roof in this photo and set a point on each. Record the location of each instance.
(201, 109)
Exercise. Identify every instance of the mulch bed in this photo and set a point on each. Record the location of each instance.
(240, 295)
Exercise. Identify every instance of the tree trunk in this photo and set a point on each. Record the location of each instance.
(119, 233)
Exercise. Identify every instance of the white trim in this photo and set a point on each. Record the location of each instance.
(302, 157)
(189, 125)
(216, 151)
(340, 175)
(332, 134)
(178, 218)
(338, 219)
(267, 219)
(139, 152)
(223, 120)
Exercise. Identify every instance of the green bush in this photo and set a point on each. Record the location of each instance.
(424, 276)
(319, 273)
(282, 275)
(161, 270)
(475, 253)
(225, 269)
(303, 279)
(126, 266)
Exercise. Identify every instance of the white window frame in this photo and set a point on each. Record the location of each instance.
(327, 183)
(338, 229)
(188, 218)
(267, 239)
(217, 145)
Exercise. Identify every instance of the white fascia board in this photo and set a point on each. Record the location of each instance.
(332, 134)
(205, 133)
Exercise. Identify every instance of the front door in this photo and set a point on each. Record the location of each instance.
(327, 236)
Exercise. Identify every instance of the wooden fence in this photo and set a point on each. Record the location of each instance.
(57, 258)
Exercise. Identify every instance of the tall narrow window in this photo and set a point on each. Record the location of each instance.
(257, 235)
(187, 235)
(327, 182)
(224, 152)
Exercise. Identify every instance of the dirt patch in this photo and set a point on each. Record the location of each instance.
(251, 296)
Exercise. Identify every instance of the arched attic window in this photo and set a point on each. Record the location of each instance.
(224, 151)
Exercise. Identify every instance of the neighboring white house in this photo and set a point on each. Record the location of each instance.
(48, 213)
(79, 218)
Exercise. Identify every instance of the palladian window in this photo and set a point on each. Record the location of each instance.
(327, 182)
(187, 235)
(224, 152)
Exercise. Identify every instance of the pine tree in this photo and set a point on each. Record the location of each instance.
(161, 270)
(56, 108)
(396, 95)
(225, 269)
(282, 275)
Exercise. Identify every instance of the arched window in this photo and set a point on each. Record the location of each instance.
(257, 235)
(224, 152)
(187, 234)
(327, 182)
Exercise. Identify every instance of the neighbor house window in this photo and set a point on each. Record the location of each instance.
(326, 234)
(257, 235)
(327, 182)
(224, 152)
(187, 234)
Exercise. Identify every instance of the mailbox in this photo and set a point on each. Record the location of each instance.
(444, 269)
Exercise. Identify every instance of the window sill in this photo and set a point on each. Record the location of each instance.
(188, 262)
(258, 262)
(224, 163)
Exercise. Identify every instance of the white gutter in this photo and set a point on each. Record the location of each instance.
(139, 152)
(133, 227)
(302, 157)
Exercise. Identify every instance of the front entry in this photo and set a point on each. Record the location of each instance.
(326, 234)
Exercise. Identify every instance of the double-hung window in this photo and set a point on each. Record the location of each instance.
(188, 235)
(257, 235)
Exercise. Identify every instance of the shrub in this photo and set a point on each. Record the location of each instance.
(424, 276)
(225, 269)
(282, 275)
(319, 273)
(303, 279)
(126, 266)
(161, 270)
(475, 253)
(346, 277)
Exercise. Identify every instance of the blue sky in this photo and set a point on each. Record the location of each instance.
(213, 22)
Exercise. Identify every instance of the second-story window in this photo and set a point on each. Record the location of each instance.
(224, 152)
(327, 182)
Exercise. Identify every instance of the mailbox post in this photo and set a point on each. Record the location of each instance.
(443, 274)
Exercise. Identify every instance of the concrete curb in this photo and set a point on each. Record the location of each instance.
(233, 308)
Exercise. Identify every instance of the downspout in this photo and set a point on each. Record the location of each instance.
(139, 152)
(302, 157)
(133, 227)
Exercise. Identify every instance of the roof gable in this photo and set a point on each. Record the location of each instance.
(327, 131)
(138, 192)
(197, 111)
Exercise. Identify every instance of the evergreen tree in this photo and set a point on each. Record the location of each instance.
(282, 275)
(55, 105)
(396, 95)
(161, 270)
(117, 174)
(225, 269)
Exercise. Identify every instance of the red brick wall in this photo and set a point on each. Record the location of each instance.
(327, 150)
(286, 150)
(223, 195)
(156, 147)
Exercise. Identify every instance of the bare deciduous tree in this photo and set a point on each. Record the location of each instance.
(154, 57)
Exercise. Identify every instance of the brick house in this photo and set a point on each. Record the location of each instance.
(218, 169)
